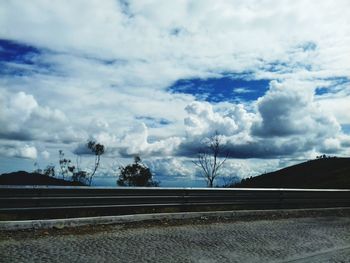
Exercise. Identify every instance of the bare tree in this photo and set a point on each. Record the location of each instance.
(209, 160)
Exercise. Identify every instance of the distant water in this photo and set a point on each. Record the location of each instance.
(104, 181)
(110, 181)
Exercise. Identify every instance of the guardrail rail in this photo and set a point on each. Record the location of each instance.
(33, 202)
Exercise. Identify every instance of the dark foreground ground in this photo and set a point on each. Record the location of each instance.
(310, 238)
(25, 178)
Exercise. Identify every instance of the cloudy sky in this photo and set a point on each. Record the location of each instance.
(155, 78)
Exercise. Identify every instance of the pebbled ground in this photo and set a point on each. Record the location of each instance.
(314, 239)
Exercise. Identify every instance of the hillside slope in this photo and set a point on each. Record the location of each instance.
(25, 178)
(319, 173)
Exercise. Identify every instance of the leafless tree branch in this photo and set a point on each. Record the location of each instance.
(209, 161)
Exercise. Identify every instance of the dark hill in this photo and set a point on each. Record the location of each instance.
(25, 178)
(320, 173)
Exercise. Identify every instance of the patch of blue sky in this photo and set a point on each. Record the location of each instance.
(227, 88)
(338, 80)
(335, 84)
(20, 59)
(11, 51)
(19, 70)
(345, 128)
(321, 91)
(289, 66)
(284, 67)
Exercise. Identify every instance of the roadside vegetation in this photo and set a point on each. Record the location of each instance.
(322, 172)
(136, 174)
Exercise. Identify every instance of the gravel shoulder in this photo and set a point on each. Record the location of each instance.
(307, 238)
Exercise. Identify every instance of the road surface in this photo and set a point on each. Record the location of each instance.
(311, 239)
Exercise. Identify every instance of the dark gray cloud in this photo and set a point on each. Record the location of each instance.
(288, 110)
(258, 148)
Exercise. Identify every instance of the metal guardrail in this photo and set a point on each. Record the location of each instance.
(51, 202)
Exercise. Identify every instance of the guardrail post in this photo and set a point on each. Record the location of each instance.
(39, 194)
(281, 199)
(184, 199)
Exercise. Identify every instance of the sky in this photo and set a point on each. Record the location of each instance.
(155, 78)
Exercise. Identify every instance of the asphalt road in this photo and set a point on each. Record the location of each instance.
(317, 239)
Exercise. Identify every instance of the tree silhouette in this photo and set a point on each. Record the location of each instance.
(49, 170)
(67, 169)
(98, 150)
(65, 165)
(136, 174)
(208, 159)
(80, 176)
